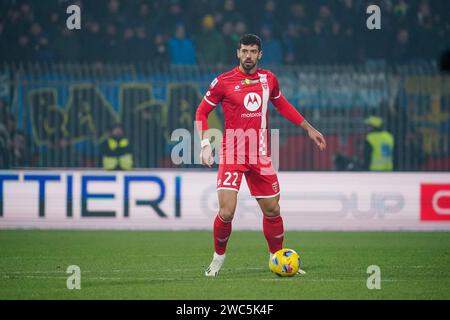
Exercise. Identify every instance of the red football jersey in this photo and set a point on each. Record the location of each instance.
(245, 99)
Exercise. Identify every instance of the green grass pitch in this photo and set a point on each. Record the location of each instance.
(170, 265)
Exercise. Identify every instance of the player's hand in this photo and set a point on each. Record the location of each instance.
(206, 156)
(318, 138)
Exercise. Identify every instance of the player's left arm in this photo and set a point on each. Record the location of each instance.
(288, 111)
(314, 134)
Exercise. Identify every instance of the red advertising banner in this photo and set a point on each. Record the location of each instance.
(435, 202)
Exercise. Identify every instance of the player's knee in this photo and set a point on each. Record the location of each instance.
(226, 214)
(272, 210)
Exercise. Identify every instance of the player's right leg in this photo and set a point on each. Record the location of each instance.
(222, 229)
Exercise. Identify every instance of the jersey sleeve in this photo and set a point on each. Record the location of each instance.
(276, 93)
(283, 106)
(214, 94)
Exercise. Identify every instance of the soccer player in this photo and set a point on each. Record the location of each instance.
(244, 93)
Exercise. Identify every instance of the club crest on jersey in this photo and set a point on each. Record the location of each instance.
(252, 101)
(263, 79)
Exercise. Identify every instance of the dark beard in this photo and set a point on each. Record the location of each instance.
(248, 68)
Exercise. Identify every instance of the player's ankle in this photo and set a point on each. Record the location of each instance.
(218, 256)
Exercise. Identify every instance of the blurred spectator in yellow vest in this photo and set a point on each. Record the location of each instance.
(116, 150)
(378, 147)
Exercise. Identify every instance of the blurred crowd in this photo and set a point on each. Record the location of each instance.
(14, 145)
(205, 31)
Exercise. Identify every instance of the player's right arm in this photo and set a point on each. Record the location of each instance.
(212, 98)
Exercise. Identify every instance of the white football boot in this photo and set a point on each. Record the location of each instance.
(216, 264)
(300, 271)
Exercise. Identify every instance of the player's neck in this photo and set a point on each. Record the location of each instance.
(248, 72)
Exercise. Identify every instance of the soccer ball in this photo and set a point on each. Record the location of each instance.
(285, 263)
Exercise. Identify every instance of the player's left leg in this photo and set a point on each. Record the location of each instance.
(265, 188)
(272, 222)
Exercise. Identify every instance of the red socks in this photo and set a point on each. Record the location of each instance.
(274, 232)
(272, 227)
(222, 231)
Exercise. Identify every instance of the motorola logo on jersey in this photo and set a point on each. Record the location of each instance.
(252, 101)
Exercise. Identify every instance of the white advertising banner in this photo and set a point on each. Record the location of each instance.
(176, 200)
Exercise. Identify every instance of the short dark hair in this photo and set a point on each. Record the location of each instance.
(249, 39)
